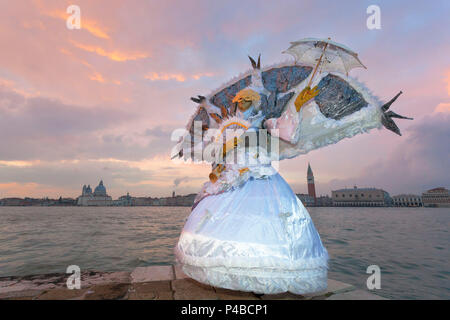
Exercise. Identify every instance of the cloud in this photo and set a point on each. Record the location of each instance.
(418, 163)
(67, 178)
(159, 132)
(39, 116)
(447, 80)
(154, 76)
(35, 127)
(93, 28)
(111, 92)
(442, 108)
(97, 77)
(151, 177)
(112, 55)
(89, 25)
(201, 75)
(177, 181)
(162, 76)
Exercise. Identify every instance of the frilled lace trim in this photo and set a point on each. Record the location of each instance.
(254, 258)
(232, 178)
(316, 131)
(259, 280)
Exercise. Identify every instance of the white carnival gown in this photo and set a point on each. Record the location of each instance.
(253, 236)
(258, 237)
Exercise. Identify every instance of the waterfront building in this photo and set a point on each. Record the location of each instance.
(361, 197)
(143, 201)
(437, 197)
(407, 200)
(178, 201)
(311, 185)
(174, 200)
(324, 201)
(12, 202)
(124, 201)
(97, 198)
(306, 199)
(25, 202)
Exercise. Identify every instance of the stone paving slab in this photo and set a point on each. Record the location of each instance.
(333, 287)
(94, 278)
(154, 286)
(34, 282)
(112, 291)
(61, 294)
(226, 294)
(282, 296)
(179, 274)
(58, 281)
(356, 295)
(155, 290)
(152, 273)
(29, 294)
(152, 283)
(189, 289)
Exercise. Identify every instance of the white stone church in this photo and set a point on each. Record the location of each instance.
(97, 198)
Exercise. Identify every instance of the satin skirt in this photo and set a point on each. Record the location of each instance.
(258, 238)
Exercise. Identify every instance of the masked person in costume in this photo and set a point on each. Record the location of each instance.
(247, 230)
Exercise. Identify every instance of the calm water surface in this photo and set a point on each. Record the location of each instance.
(409, 244)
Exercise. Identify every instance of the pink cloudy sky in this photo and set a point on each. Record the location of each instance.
(77, 106)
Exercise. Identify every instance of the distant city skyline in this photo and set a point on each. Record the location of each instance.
(310, 186)
(346, 197)
(101, 102)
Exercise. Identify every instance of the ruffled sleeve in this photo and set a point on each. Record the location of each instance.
(286, 126)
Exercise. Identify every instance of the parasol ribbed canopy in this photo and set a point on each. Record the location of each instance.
(333, 56)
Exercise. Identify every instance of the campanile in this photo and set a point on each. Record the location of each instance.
(311, 186)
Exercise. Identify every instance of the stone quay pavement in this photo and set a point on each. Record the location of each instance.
(151, 283)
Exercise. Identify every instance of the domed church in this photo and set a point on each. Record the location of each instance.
(97, 198)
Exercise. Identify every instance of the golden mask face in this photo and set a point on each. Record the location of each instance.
(245, 98)
(244, 104)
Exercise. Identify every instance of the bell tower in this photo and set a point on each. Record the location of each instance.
(311, 186)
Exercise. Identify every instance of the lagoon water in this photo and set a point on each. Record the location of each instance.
(410, 245)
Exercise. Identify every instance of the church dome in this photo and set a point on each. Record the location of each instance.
(100, 189)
